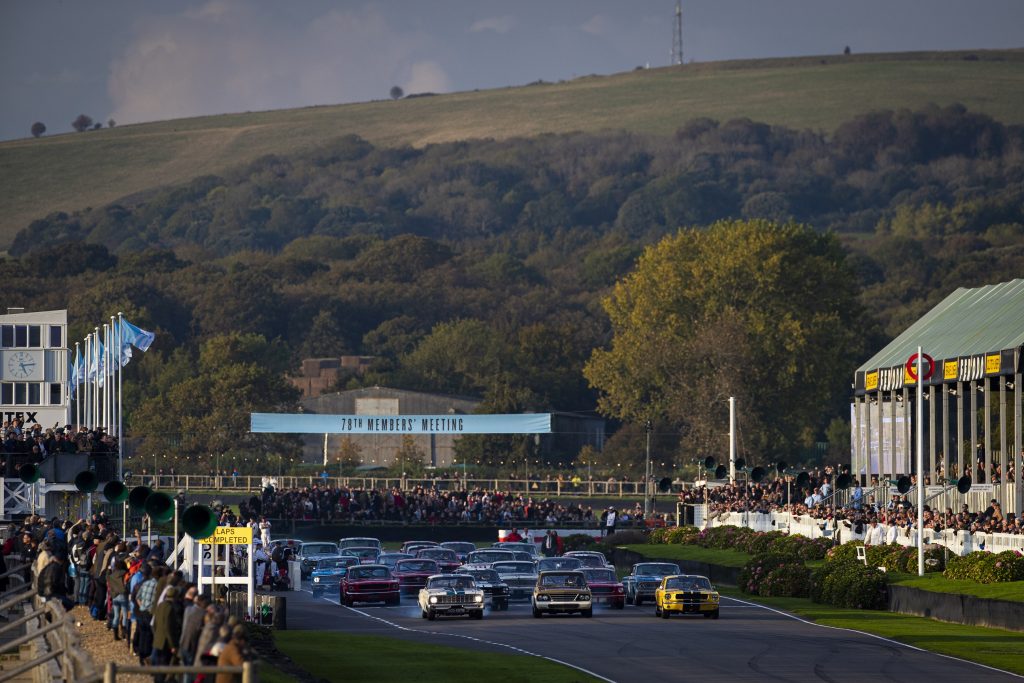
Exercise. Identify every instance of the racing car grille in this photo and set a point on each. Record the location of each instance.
(602, 590)
(454, 599)
(565, 596)
(521, 583)
(372, 587)
(688, 597)
(648, 585)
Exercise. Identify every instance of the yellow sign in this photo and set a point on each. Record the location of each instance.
(949, 369)
(992, 364)
(235, 535)
(871, 381)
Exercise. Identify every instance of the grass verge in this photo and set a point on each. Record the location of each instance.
(346, 657)
(990, 646)
(694, 553)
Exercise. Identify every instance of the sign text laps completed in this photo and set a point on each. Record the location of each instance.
(234, 535)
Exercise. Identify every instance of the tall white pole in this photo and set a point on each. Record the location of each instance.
(107, 396)
(732, 440)
(96, 383)
(920, 462)
(87, 384)
(120, 372)
(78, 389)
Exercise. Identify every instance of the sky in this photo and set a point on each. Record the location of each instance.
(145, 60)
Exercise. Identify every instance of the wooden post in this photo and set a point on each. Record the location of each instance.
(110, 673)
(249, 674)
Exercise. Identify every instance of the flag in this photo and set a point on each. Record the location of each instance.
(133, 336)
(76, 372)
(96, 363)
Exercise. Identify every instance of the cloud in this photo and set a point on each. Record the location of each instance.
(497, 24)
(230, 56)
(598, 25)
(427, 77)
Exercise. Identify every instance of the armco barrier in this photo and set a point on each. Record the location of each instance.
(956, 608)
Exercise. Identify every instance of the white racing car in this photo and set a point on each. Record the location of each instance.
(451, 595)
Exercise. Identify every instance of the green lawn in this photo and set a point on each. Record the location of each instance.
(989, 646)
(674, 551)
(74, 170)
(346, 657)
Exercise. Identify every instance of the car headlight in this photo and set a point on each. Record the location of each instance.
(503, 589)
(316, 579)
(478, 598)
(583, 597)
(433, 599)
(543, 598)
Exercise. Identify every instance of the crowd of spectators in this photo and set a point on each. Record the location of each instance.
(425, 505)
(126, 584)
(21, 443)
(856, 509)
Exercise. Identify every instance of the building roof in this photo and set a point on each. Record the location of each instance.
(967, 322)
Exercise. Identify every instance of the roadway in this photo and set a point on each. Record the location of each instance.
(748, 643)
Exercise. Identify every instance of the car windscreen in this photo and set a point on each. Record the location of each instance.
(318, 548)
(688, 583)
(359, 542)
(595, 561)
(363, 553)
(562, 581)
(391, 559)
(488, 556)
(457, 582)
(488, 575)
(417, 566)
(336, 563)
(459, 547)
(599, 575)
(550, 563)
(369, 573)
(442, 554)
(656, 569)
(504, 568)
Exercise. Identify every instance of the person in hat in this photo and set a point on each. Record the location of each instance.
(608, 519)
(167, 623)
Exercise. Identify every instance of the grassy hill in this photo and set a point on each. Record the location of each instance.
(77, 170)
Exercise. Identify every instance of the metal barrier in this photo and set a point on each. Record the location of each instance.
(254, 483)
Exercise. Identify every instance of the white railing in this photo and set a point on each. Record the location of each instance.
(959, 542)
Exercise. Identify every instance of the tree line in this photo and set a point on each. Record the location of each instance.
(485, 267)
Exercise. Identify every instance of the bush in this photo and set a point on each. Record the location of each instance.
(626, 537)
(985, 567)
(578, 542)
(775, 575)
(724, 537)
(848, 583)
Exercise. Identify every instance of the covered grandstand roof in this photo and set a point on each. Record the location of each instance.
(983, 322)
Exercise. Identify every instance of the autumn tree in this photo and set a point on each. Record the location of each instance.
(38, 128)
(764, 312)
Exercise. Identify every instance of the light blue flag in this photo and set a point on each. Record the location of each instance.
(134, 336)
(76, 373)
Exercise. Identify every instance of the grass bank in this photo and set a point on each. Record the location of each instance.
(335, 656)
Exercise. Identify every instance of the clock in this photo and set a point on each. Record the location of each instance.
(21, 364)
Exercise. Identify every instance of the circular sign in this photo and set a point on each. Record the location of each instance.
(912, 366)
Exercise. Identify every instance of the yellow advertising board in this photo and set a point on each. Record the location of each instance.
(992, 364)
(950, 369)
(235, 535)
(871, 381)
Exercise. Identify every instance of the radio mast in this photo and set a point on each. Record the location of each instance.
(677, 34)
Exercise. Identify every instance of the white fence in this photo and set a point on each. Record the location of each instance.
(959, 542)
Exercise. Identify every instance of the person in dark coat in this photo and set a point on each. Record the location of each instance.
(167, 622)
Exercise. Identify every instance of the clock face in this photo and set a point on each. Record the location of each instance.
(21, 364)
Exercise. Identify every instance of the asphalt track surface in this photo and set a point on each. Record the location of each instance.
(748, 643)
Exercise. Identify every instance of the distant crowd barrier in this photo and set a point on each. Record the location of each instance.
(246, 483)
(958, 542)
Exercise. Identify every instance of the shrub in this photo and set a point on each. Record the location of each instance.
(626, 537)
(759, 543)
(683, 534)
(775, 575)
(578, 542)
(848, 583)
(724, 537)
(985, 567)
(806, 548)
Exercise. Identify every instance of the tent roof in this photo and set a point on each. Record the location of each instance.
(967, 322)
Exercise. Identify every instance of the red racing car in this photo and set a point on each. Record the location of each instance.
(605, 587)
(412, 574)
(369, 583)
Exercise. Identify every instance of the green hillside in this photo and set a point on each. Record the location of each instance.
(77, 170)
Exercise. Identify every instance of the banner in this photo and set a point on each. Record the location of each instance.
(230, 535)
(304, 423)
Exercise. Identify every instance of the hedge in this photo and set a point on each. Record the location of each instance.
(775, 575)
(985, 567)
(745, 540)
(846, 582)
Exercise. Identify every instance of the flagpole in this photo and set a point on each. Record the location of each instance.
(96, 380)
(920, 462)
(120, 374)
(87, 409)
(78, 394)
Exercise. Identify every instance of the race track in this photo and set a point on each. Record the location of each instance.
(748, 643)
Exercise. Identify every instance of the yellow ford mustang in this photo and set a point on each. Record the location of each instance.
(686, 594)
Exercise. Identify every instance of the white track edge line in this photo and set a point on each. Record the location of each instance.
(872, 635)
